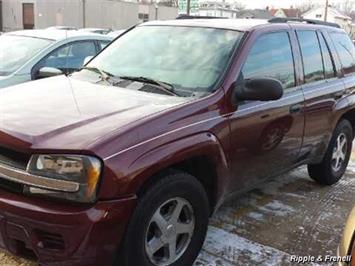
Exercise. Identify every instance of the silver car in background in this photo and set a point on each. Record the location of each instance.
(34, 54)
(96, 30)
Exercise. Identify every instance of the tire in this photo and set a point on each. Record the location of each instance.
(162, 198)
(328, 172)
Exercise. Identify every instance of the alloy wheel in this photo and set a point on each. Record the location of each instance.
(169, 232)
(339, 152)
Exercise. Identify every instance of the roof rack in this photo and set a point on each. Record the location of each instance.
(184, 16)
(310, 21)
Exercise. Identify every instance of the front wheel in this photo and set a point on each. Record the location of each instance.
(169, 224)
(337, 156)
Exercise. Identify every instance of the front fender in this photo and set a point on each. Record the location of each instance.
(166, 155)
(162, 157)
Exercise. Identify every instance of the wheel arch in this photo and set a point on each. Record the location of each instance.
(199, 155)
(350, 116)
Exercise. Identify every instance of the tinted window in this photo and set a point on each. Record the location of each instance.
(346, 51)
(329, 70)
(311, 56)
(271, 57)
(71, 56)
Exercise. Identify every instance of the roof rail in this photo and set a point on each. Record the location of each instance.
(310, 21)
(184, 16)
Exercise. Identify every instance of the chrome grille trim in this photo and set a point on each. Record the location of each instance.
(23, 177)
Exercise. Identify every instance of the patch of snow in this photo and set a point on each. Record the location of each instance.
(256, 215)
(277, 208)
(234, 249)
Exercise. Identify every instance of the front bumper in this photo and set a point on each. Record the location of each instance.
(57, 233)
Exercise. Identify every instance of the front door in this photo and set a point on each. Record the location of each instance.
(28, 17)
(266, 137)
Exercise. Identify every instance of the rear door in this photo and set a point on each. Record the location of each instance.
(346, 53)
(266, 137)
(321, 85)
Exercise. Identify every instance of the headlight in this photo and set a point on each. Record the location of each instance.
(83, 171)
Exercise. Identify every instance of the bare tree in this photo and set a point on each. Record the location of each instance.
(238, 5)
(305, 6)
(346, 6)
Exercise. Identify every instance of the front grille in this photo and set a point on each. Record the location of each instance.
(10, 186)
(14, 158)
(51, 241)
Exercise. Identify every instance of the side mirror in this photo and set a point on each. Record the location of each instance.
(46, 72)
(87, 59)
(259, 89)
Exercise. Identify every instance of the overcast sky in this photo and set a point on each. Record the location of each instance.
(279, 3)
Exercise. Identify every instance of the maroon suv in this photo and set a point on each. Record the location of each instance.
(123, 162)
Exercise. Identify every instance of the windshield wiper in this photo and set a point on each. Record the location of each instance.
(169, 88)
(104, 75)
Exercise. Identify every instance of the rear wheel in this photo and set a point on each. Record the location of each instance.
(336, 159)
(169, 224)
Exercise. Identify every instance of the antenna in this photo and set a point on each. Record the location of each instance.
(67, 55)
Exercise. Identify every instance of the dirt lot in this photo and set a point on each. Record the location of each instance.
(291, 215)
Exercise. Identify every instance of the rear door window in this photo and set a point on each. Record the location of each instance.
(271, 57)
(311, 56)
(346, 51)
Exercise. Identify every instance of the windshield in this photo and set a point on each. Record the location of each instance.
(15, 51)
(189, 58)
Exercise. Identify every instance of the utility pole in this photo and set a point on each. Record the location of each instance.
(326, 10)
(84, 13)
(188, 3)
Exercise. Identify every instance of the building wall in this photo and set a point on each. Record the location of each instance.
(112, 14)
(12, 14)
(280, 14)
(218, 13)
(58, 12)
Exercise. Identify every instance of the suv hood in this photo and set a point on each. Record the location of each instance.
(67, 113)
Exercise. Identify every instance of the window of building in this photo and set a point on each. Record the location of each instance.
(143, 16)
(271, 57)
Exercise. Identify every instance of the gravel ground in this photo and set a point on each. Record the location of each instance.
(290, 215)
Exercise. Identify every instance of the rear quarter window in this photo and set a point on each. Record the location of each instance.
(345, 50)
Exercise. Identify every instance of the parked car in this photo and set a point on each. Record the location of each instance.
(124, 161)
(346, 248)
(33, 54)
(116, 33)
(62, 28)
(96, 30)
